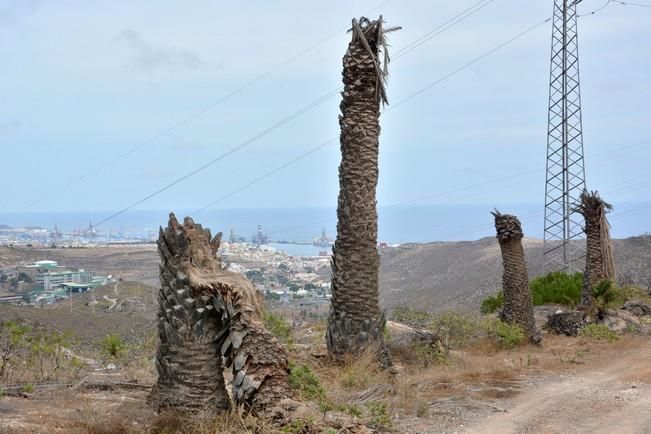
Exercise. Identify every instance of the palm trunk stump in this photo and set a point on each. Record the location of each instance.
(518, 301)
(206, 315)
(599, 264)
(356, 322)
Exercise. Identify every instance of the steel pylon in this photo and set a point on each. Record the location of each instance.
(565, 179)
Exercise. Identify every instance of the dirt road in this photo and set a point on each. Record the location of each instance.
(612, 398)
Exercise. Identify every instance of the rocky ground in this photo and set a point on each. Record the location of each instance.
(569, 384)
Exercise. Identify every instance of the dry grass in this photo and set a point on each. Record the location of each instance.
(357, 391)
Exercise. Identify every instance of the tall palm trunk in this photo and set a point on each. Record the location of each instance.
(599, 264)
(356, 322)
(518, 302)
(207, 313)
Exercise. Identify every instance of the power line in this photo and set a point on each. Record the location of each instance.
(482, 184)
(188, 118)
(596, 11)
(278, 125)
(224, 155)
(467, 65)
(528, 216)
(265, 176)
(476, 7)
(420, 91)
(641, 5)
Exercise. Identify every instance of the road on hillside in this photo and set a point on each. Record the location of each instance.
(612, 398)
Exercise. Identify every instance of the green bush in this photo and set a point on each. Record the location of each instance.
(455, 329)
(278, 327)
(112, 345)
(491, 303)
(508, 336)
(379, 414)
(306, 383)
(557, 288)
(598, 332)
(28, 388)
(553, 288)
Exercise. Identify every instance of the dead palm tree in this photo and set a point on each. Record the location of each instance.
(207, 315)
(599, 263)
(356, 322)
(518, 302)
(190, 329)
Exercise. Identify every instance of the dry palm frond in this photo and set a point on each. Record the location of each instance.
(371, 34)
(594, 208)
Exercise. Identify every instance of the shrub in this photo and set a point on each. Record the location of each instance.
(508, 336)
(297, 426)
(427, 353)
(557, 288)
(379, 414)
(28, 388)
(306, 383)
(408, 315)
(598, 332)
(455, 329)
(112, 345)
(603, 295)
(278, 327)
(491, 303)
(12, 342)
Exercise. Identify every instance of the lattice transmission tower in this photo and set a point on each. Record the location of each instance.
(565, 178)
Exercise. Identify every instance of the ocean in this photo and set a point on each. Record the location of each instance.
(400, 224)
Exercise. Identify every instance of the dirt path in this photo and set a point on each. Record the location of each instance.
(612, 398)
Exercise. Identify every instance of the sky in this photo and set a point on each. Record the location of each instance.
(83, 82)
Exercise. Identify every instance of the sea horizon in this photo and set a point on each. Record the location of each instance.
(396, 225)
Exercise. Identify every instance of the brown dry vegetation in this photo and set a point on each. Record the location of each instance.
(467, 387)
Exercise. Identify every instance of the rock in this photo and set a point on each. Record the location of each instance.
(637, 307)
(402, 337)
(566, 323)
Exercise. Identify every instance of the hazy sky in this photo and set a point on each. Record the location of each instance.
(82, 82)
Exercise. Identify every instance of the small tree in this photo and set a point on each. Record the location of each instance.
(12, 341)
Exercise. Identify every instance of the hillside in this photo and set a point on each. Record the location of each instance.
(126, 308)
(435, 276)
(458, 275)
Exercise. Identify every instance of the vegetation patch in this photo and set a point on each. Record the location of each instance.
(507, 336)
(557, 288)
(306, 383)
(455, 329)
(553, 288)
(380, 416)
(278, 327)
(598, 332)
(112, 345)
(411, 316)
(491, 303)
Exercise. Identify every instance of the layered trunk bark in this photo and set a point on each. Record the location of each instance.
(599, 264)
(356, 322)
(518, 301)
(207, 313)
(190, 329)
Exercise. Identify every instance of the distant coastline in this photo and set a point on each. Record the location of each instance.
(400, 224)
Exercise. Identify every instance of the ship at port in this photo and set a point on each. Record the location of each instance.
(323, 240)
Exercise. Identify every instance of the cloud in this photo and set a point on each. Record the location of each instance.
(8, 127)
(16, 9)
(150, 58)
